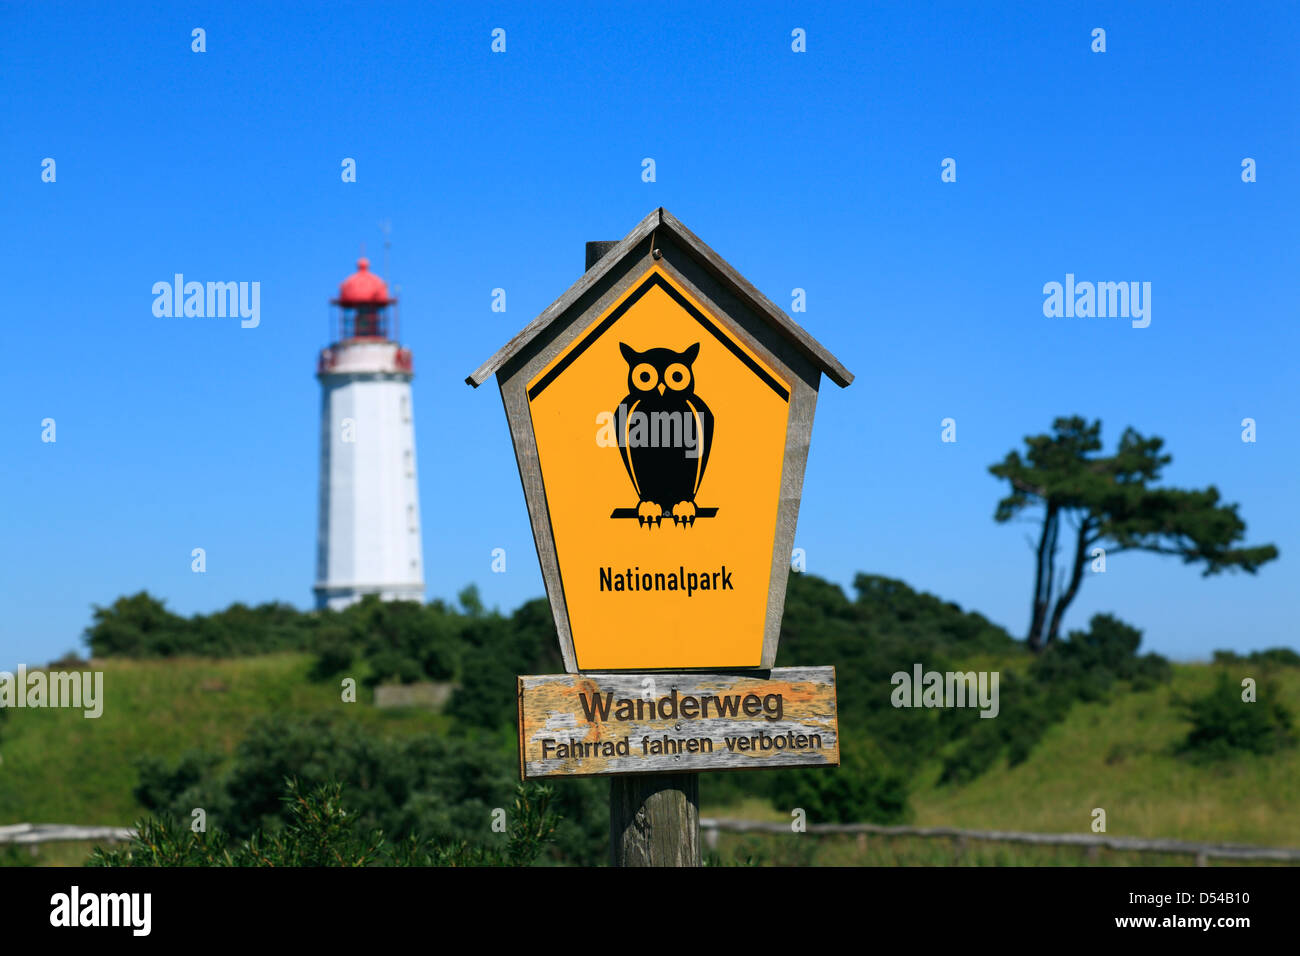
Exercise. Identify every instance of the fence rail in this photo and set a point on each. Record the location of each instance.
(33, 833)
(710, 827)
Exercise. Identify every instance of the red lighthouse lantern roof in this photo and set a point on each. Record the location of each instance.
(363, 287)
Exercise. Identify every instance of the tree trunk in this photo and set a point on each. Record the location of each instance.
(1043, 577)
(1076, 577)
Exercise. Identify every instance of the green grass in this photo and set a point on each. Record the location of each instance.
(1120, 757)
(60, 767)
(803, 849)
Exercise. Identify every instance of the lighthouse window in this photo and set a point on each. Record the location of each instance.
(410, 518)
(406, 408)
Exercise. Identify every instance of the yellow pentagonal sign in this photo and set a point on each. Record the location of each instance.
(661, 439)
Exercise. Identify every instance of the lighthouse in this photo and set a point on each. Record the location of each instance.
(368, 539)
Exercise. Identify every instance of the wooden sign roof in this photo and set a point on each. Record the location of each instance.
(662, 222)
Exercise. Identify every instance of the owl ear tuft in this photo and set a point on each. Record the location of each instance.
(629, 353)
(691, 352)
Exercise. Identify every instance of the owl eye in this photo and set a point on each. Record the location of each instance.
(678, 376)
(645, 377)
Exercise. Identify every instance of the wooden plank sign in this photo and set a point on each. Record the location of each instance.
(620, 723)
(661, 411)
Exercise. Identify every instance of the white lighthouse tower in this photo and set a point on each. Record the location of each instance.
(369, 532)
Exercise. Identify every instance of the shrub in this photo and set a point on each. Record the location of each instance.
(141, 626)
(975, 754)
(442, 788)
(321, 831)
(861, 789)
(1088, 663)
(161, 787)
(336, 649)
(135, 626)
(1224, 725)
(1271, 657)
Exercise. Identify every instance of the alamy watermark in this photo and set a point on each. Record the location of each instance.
(637, 429)
(215, 300)
(946, 689)
(81, 690)
(132, 911)
(1116, 300)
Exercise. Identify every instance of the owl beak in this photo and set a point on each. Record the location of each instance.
(661, 388)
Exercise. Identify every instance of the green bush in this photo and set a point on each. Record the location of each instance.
(162, 787)
(320, 830)
(1270, 657)
(443, 788)
(336, 649)
(862, 789)
(497, 651)
(889, 627)
(405, 641)
(1224, 725)
(135, 626)
(973, 755)
(1088, 663)
(141, 626)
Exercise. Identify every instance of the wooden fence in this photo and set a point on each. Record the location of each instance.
(710, 828)
(33, 833)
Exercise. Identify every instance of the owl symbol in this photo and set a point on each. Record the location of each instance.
(666, 432)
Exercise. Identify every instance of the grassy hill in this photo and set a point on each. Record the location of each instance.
(1119, 756)
(1087, 724)
(60, 767)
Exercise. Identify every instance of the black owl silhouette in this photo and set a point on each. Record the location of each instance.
(668, 461)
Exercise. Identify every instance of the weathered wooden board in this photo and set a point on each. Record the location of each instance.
(609, 723)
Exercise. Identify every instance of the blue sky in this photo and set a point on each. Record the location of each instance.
(818, 170)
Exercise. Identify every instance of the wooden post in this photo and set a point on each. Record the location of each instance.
(654, 819)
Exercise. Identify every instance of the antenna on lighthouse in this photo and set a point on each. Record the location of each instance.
(386, 227)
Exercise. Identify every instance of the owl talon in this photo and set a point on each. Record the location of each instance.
(649, 513)
(684, 513)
